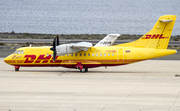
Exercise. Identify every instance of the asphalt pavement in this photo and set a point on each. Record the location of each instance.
(151, 85)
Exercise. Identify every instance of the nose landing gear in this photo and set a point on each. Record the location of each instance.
(16, 68)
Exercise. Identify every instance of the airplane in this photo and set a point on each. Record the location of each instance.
(84, 55)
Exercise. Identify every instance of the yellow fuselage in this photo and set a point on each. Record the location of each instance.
(94, 57)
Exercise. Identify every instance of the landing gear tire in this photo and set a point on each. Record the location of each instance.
(16, 69)
(84, 70)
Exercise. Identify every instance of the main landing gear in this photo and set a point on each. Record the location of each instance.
(81, 68)
(16, 68)
(84, 69)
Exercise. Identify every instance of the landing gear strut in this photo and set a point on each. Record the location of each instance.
(81, 68)
(16, 68)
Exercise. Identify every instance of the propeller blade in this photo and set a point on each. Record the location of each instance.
(54, 56)
(57, 40)
(54, 43)
(54, 47)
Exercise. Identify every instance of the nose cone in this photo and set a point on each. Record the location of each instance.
(6, 60)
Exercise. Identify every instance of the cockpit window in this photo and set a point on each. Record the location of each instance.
(18, 52)
(22, 52)
(15, 52)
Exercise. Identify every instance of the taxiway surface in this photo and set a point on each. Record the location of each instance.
(145, 86)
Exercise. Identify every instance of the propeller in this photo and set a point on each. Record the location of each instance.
(57, 40)
(54, 46)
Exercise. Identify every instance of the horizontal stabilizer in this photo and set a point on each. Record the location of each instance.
(166, 21)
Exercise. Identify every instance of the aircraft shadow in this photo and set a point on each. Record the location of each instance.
(77, 71)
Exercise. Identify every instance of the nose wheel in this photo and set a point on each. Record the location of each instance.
(16, 68)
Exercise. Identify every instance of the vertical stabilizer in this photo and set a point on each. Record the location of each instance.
(158, 37)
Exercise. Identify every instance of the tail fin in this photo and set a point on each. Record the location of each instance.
(158, 37)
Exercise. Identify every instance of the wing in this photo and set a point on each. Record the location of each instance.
(108, 40)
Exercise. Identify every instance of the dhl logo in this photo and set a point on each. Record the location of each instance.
(40, 59)
(155, 36)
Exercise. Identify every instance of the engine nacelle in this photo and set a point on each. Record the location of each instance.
(72, 48)
(66, 49)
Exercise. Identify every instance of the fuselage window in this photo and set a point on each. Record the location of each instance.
(88, 54)
(18, 52)
(47, 54)
(109, 54)
(51, 55)
(80, 54)
(96, 54)
(104, 54)
(84, 54)
(76, 54)
(100, 54)
(71, 54)
(92, 54)
(112, 54)
(68, 55)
